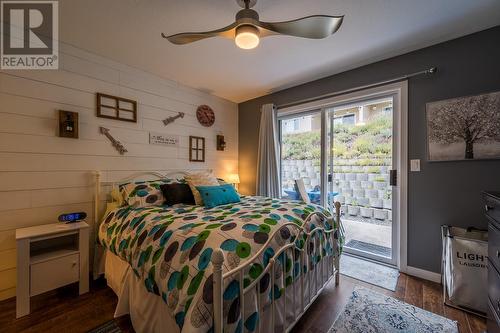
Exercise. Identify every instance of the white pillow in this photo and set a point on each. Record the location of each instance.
(200, 179)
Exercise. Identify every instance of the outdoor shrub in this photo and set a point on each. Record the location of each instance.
(371, 141)
(363, 145)
(339, 150)
(373, 169)
(383, 148)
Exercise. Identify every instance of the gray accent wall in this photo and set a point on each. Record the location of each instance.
(442, 192)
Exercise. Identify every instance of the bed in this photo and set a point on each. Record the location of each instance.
(244, 267)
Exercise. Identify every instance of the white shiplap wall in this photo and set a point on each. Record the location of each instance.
(43, 175)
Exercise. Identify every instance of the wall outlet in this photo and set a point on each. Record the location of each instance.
(415, 165)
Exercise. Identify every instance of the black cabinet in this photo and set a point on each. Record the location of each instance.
(492, 208)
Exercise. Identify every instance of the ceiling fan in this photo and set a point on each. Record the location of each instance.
(247, 29)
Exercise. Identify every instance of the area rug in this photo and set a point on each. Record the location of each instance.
(367, 271)
(370, 312)
(108, 327)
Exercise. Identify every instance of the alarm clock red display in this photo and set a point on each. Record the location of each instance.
(205, 115)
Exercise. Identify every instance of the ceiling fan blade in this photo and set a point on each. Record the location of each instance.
(189, 37)
(315, 26)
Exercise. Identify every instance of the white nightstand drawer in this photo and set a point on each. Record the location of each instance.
(55, 273)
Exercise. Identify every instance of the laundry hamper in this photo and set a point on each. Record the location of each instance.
(464, 269)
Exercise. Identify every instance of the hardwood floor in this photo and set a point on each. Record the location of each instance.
(63, 311)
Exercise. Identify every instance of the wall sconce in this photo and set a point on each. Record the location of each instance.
(221, 144)
(68, 124)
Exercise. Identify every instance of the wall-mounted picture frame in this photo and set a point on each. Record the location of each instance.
(464, 128)
(118, 108)
(196, 149)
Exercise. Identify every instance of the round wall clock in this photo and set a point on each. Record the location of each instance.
(205, 115)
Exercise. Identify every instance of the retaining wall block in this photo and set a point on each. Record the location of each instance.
(380, 185)
(346, 191)
(362, 201)
(355, 184)
(376, 202)
(350, 176)
(367, 185)
(362, 176)
(353, 210)
(387, 203)
(344, 184)
(366, 212)
(380, 214)
(358, 192)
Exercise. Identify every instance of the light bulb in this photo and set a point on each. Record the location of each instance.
(247, 37)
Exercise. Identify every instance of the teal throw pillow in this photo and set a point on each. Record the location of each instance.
(218, 195)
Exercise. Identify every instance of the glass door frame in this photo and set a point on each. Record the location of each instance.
(399, 91)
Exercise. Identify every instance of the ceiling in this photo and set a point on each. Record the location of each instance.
(128, 31)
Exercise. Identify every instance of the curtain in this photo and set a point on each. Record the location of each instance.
(268, 167)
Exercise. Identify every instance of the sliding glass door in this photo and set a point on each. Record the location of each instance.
(346, 150)
(361, 141)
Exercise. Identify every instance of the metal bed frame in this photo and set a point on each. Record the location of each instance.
(317, 279)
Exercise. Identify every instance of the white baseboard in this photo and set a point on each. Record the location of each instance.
(423, 274)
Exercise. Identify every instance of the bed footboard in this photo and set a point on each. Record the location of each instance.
(317, 277)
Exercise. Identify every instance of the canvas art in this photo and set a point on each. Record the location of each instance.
(464, 128)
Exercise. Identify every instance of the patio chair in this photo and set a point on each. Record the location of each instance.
(301, 190)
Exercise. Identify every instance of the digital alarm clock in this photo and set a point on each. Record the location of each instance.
(72, 217)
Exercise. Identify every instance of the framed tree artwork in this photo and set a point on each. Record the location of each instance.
(196, 149)
(464, 128)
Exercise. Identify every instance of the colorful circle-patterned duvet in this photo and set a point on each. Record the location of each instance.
(170, 249)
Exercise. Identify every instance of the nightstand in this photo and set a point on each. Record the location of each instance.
(48, 257)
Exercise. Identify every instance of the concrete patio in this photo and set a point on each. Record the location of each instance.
(371, 233)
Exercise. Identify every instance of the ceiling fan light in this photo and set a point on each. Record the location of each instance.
(247, 37)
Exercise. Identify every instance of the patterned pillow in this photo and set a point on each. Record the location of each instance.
(144, 193)
(200, 179)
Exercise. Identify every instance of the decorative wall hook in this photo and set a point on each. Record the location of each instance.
(117, 144)
(173, 118)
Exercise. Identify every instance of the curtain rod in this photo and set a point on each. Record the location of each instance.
(431, 70)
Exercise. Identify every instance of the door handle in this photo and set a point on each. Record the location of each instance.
(393, 177)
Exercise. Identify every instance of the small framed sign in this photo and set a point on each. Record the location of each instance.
(163, 139)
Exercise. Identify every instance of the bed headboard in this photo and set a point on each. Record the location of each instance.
(146, 175)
